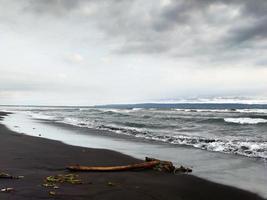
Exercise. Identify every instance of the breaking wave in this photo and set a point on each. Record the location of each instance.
(245, 120)
(248, 147)
(217, 130)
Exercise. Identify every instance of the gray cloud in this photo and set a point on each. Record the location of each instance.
(56, 7)
(158, 27)
(149, 46)
(251, 32)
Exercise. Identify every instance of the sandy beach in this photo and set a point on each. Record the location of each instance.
(36, 158)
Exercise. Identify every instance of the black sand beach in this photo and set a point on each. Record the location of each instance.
(36, 158)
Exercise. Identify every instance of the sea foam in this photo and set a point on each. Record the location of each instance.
(245, 120)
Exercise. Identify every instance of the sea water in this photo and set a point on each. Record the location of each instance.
(228, 128)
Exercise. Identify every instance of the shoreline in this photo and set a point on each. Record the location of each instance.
(35, 158)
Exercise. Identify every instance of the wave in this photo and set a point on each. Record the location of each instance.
(137, 109)
(89, 110)
(42, 116)
(159, 129)
(114, 114)
(240, 146)
(259, 111)
(248, 147)
(245, 120)
(256, 149)
(210, 110)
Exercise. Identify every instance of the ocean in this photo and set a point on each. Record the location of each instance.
(228, 128)
(225, 143)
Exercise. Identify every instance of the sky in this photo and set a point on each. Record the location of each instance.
(87, 52)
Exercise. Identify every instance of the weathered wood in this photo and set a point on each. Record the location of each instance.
(163, 165)
(144, 165)
(8, 176)
(150, 163)
(168, 166)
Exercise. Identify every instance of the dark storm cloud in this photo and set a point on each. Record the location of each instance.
(251, 32)
(158, 26)
(209, 29)
(254, 28)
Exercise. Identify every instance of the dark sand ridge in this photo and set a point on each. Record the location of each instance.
(36, 158)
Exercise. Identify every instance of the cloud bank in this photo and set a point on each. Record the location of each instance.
(115, 51)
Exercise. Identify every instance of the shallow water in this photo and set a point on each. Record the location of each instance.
(243, 172)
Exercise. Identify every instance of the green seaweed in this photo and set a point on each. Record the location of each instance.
(68, 178)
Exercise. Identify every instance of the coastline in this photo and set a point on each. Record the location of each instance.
(36, 158)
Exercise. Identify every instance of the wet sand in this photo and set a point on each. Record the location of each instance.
(36, 158)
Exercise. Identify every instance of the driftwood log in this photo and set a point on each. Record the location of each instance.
(168, 166)
(8, 176)
(150, 163)
(165, 166)
(144, 165)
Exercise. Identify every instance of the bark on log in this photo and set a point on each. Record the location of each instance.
(144, 165)
(165, 166)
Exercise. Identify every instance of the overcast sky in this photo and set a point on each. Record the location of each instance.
(83, 52)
